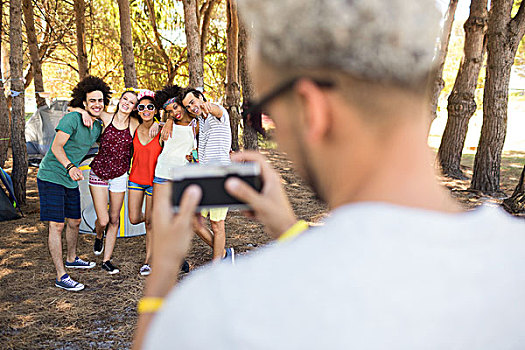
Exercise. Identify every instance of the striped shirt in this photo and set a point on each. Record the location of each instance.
(215, 138)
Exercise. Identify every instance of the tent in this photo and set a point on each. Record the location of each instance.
(8, 204)
(40, 130)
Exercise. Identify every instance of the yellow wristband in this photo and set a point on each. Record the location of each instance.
(149, 305)
(297, 228)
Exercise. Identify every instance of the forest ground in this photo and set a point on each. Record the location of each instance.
(34, 314)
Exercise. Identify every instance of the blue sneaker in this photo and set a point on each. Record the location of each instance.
(230, 256)
(185, 268)
(68, 283)
(80, 264)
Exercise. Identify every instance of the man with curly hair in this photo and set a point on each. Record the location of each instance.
(59, 174)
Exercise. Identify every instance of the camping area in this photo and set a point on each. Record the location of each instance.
(54, 44)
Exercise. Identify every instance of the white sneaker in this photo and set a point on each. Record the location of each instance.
(145, 270)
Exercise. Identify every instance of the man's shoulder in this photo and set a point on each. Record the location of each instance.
(71, 119)
(71, 116)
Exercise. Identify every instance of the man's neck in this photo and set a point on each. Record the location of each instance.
(396, 170)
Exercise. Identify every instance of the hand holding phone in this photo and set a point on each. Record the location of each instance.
(211, 180)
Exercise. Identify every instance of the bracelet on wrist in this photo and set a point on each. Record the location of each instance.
(294, 231)
(148, 305)
(69, 167)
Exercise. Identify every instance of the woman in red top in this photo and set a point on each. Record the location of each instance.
(146, 150)
(108, 175)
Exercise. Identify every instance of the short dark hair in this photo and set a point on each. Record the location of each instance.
(195, 92)
(87, 85)
(167, 92)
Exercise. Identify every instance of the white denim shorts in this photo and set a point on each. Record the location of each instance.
(118, 184)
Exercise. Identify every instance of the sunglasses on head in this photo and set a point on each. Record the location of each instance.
(149, 106)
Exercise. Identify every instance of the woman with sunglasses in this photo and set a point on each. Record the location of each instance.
(108, 174)
(146, 150)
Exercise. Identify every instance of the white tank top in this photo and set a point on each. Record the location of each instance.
(180, 144)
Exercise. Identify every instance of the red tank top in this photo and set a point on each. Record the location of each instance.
(144, 160)
(114, 153)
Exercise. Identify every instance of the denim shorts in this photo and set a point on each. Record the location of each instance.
(58, 202)
(137, 187)
(159, 180)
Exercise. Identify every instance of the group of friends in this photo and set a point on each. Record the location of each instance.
(135, 154)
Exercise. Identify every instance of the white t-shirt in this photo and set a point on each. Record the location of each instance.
(215, 139)
(375, 276)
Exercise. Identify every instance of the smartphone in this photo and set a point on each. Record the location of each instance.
(195, 156)
(211, 179)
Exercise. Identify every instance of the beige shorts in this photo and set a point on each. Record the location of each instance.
(216, 214)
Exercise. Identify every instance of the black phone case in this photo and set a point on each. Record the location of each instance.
(214, 194)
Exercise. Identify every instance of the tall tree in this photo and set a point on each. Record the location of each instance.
(439, 83)
(82, 60)
(34, 53)
(516, 202)
(158, 45)
(126, 44)
(193, 42)
(461, 102)
(503, 37)
(54, 24)
(248, 133)
(207, 12)
(233, 94)
(4, 111)
(18, 142)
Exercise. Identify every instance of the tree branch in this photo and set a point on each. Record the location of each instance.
(517, 24)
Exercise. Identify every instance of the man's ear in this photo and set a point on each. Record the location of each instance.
(316, 108)
(85, 104)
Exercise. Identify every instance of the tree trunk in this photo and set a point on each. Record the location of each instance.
(516, 203)
(461, 102)
(32, 42)
(4, 111)
(18, 142)
(126, 45)
(233, 93)
(80, 9)
(248, 133)
(158, 42)
(503, 37)
(193, 43)
(439, 83)
(205, 27)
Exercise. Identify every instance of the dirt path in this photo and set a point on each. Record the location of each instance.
(36, 315)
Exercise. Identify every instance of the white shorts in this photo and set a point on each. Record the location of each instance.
(118, 184)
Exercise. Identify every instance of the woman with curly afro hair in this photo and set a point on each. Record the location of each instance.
(108, 175)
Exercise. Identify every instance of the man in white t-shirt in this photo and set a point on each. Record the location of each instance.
(215, 138)
(397, 264)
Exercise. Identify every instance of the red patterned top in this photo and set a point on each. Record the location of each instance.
(114, 153)
(144, 160)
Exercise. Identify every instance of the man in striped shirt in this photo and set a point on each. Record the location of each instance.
(215, 139)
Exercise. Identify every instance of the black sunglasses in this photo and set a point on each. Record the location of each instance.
(149, 106)
(255, 107)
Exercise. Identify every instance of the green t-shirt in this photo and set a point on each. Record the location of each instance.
(81, 138)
